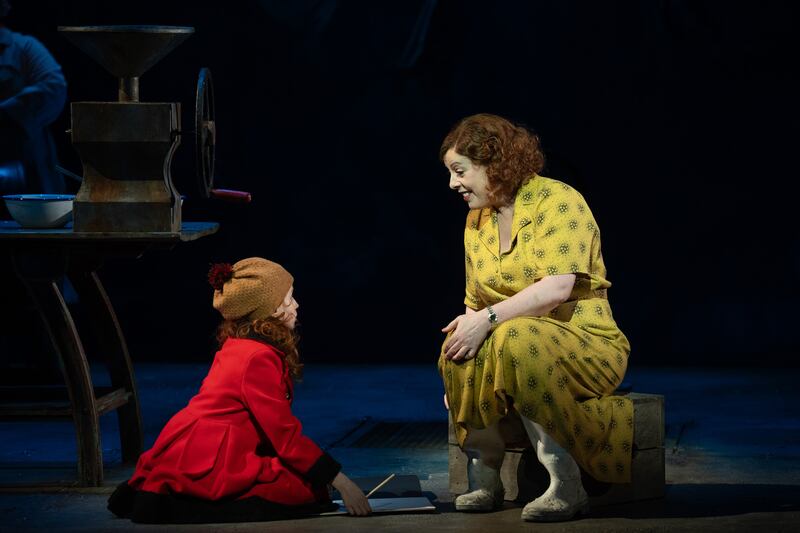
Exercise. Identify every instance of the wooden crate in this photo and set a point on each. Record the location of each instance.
(524, 478)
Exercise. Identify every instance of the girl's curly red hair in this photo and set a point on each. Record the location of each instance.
(271, 330)
(510, 153)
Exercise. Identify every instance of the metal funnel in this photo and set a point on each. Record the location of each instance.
(127, 52)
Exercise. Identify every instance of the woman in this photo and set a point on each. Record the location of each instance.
(538, 340)
(237, 453)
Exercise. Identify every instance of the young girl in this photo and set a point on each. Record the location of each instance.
(236, 452)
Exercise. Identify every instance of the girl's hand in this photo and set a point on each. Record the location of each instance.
(353, 497)
(469, 332)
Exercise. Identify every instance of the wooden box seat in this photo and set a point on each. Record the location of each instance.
(524, 478)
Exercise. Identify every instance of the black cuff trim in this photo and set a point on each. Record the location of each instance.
(323, 471)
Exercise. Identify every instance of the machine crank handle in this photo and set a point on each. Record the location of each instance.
(231, 196)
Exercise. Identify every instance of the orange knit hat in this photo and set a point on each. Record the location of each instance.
(253, 288)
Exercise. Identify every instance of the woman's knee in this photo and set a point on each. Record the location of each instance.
(510, 336)
(511, 329)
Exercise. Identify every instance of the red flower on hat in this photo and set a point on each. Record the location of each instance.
(219, 274)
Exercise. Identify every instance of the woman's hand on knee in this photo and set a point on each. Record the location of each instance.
(469, 332)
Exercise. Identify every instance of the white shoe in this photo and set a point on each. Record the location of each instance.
(562, 501)
(480, 500)
(565, 497)
(490, 493)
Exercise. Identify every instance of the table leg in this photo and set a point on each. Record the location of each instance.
(58, 320)
(111, 342)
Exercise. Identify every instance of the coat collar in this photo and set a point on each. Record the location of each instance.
(285, 374)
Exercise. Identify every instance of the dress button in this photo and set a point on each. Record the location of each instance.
(287, 396)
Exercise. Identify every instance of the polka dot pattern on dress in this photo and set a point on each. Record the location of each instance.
(559, 370)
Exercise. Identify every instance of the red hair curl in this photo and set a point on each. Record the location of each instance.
(271, 330)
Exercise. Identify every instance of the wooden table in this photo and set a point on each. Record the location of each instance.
(41, 258)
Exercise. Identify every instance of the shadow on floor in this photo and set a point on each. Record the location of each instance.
(695, 501)
(710, 500)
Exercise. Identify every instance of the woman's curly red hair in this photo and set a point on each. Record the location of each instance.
(271, 330)
(510, 153)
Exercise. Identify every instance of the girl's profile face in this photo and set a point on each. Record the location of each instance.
(468, 179)
(287, 310)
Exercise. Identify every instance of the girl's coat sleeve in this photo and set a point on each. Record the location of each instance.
(266, 394)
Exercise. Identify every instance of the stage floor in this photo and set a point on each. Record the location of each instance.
(732, 452)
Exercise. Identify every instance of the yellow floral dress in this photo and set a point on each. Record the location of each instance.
(560, 369)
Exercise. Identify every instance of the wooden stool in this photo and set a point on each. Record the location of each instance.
(524, 478)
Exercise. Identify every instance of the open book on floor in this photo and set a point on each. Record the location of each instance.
(401, 494)
(402, 486)
(415, 504)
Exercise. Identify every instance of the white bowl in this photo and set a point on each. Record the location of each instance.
(40, 210)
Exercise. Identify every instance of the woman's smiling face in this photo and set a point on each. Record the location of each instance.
(468, 179)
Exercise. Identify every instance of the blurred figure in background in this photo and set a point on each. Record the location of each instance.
(32, 95)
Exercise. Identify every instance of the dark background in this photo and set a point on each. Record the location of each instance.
(677, 120)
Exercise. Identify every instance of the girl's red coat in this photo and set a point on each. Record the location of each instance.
(238, 437)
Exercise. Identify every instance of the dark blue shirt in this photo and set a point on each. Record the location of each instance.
(32, 96)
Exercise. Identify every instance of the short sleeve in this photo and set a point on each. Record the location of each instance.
(564, 232)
